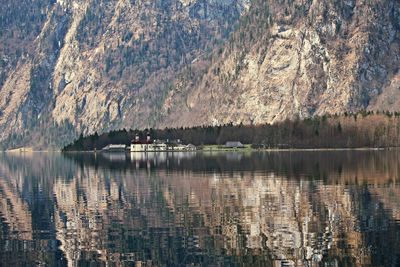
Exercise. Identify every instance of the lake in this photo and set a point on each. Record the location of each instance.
(332, 208)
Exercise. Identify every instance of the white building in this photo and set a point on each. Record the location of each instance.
(148, 145)
(157, 146)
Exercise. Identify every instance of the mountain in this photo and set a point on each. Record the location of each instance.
(82, 66)
(72, 66)
(296, 59)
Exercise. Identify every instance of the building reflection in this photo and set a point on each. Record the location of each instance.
(293, 210)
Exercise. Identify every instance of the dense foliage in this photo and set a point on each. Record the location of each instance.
(365, 129)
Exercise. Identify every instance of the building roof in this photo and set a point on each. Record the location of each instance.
(142, 142)
(113, 146)
(234, 144)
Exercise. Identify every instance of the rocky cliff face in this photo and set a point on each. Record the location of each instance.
(97, 65)
(293, 59)
(72, 66)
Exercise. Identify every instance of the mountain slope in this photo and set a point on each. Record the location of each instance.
(293, 59)
(100, 64)
(97, 65)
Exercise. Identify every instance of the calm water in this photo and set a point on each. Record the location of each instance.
(193, 209)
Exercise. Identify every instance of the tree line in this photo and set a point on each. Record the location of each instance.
(364, 129)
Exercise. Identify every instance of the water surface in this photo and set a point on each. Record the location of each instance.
(195, 209)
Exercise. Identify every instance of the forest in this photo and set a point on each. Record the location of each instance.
(361, 130)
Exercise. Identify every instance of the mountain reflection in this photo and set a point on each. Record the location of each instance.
(259, 209)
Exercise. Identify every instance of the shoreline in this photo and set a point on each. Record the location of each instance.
(246, 150)
(207, 149)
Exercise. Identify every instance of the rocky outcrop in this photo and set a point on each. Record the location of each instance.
(98, 65)
(309, 59)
